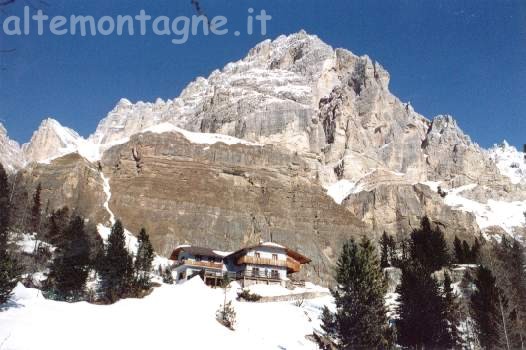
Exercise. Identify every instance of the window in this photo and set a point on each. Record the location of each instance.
(274, 274)
(274, 256)
(198, 258)
(258, 255)
(255, 271)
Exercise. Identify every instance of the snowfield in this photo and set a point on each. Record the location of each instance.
(507, 215)
(510, 161)
(173, 316)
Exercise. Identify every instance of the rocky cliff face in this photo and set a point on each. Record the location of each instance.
(225, 196)
(306, 122)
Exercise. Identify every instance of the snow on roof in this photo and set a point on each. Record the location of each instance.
(219, 252)
(272, 244)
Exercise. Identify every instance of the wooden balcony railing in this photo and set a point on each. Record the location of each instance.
(247, 259)
(291, 264)
(212, 265)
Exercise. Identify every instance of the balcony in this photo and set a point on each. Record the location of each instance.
(205, 264)
(291, 264)
(247, 259)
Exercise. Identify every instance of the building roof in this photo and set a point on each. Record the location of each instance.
(194, 250)
(292, 253)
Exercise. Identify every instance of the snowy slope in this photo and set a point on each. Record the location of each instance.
(507, 215)
(173, 316)
(510, 161)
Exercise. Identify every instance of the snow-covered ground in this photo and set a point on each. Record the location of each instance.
(173, 316)
(28, 243)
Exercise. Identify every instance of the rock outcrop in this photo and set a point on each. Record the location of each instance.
(225, 196)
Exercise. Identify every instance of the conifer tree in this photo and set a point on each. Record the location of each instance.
(518, 293)
(487, 309)
(143, 261)
(116, 266)
(459, 252)
(167, 276)
(428, 247)
(452, 315)
(393, 253)
(328, 323)
(70, 268)
(9, 269)
(56, 225)
(475, 250)
(508, 267)
(384, 251)
(466, 251)
(360, 320)
(36, 212)
(422, 322)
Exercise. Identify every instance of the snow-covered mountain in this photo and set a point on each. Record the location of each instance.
(510, 161)
(294, 116)
(10, 152)
(51, 140)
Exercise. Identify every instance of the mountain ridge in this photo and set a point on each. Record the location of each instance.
(292, 126)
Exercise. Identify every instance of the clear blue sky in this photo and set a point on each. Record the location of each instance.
(465, 58)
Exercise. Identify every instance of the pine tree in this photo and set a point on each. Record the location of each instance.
(116, 266)
(393, 252)
(422, 322)
(466, 251)
(459, 252)
(167, 276)
(384, 251)
(360, 320)
(452, 315)
(143, 261)
(56, 225)
(70, 268)
(428, 247)
(487, 310)
(328, 323)
(36, 210)
(475, 250)
(518, 293)
(9, 269)
(508, 266)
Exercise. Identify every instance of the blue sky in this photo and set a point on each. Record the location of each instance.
(465, 58)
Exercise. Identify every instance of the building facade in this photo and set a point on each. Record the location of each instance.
(266, 262)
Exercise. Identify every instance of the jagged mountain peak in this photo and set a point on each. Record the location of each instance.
(51, 140)
(10, 152)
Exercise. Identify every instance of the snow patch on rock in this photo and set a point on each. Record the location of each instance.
(509, 161)
(342, 189)
(507, 215)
